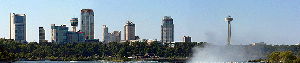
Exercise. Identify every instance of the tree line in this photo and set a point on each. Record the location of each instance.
(94, 51)
(10, 50)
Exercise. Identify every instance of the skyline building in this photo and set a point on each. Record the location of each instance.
(167, 29)
(18, 27)
(41, 35)
(61, 35)
(114, 36)
(187, 39)
(75, 37)
(87, 23)
(129, 31)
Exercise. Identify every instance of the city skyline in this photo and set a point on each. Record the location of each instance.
(272, 22)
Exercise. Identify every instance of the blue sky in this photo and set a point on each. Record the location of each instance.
(271, 21)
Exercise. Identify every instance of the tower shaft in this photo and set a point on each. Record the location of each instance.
(229, 34)
(74, 28)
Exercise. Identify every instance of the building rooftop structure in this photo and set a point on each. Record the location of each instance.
(87, 10)
(167, 18)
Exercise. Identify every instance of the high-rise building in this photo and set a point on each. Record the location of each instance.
(114, 36)
(105, 35)
(61, 35)
(129, 31)
(17, 27)
(87, 23)
(167, 29)
(187, 39)
(41, 35)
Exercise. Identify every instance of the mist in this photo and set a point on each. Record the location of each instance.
(225, 53)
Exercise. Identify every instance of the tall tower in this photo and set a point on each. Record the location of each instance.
(74, 23)
(167, 29)
(229, 29)
(129, 31)
(17, 27)
(87, 23)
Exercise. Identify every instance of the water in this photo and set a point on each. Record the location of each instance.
(84, 62)
(117, 62)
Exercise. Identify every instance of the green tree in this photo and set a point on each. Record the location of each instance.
(287, 56)
(274, 57)
(3, 54)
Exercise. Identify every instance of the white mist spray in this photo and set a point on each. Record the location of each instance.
(222, 53)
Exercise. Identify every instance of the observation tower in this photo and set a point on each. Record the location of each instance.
(229, 29)
(74, 23)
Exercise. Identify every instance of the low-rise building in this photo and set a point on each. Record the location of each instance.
(75, 37)
(187, 39)
(260, 43)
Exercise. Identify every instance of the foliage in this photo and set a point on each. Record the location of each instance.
(274, 57)
(94, 51)
(286, 57)
(98, 51)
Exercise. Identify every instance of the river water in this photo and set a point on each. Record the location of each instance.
(116, 62)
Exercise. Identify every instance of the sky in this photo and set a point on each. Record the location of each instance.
(274, 22)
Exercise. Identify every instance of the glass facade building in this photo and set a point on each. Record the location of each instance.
(61, 35)
(18, 27)
(87, 23)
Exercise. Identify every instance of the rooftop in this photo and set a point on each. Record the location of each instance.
(86, 10)
(167, 18)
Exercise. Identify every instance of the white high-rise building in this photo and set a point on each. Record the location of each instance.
(87, 23)
(167, 29)
(114, 36)
(129, 31)
(17, 27)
